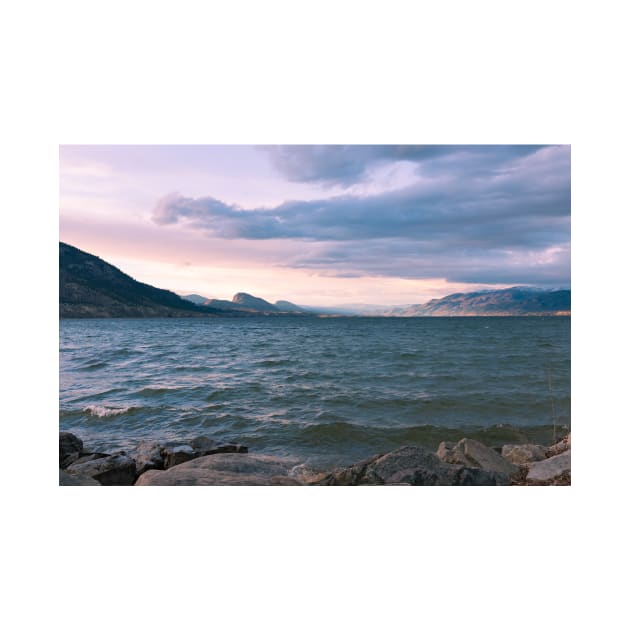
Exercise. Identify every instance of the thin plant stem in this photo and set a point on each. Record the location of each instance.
(553, 408)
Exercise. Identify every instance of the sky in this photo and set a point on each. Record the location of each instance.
(323, 224)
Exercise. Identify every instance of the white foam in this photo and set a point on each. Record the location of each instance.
(97, 410)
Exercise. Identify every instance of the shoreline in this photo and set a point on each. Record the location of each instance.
(205, 461)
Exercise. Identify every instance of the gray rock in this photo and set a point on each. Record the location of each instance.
(208, 446)
(175, 454)
(69, 459)
(148, 456)
(113, 470)
(70, 448)
(444, 450)
(410, 465)
(66, 479)
(559, 447)
(463, 476)
(548, 469)
(523, 453)
(224, 469)
(88, 457)
(473, 454)
(352, 476)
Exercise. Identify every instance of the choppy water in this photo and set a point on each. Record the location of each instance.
(326, 391)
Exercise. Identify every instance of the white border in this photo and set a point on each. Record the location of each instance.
(245, 72)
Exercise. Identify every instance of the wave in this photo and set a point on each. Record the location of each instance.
(409, 355)
(92, 396)
(339, 432)
(156, 391)
(125, 352)
(271, 362)
(96, 366)
(101, 411)
(218, 394)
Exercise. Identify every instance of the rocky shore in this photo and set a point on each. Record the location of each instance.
(204, 461)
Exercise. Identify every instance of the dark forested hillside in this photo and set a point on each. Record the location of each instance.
(90, 287)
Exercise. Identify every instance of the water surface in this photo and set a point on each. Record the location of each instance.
(325, 391)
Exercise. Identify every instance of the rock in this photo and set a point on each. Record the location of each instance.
(175, 454)
(70, 448)
(150, 476)
(463, 476)
(473, 454)
(113, 470)
(352, 476)
(224, 469)
(207, 446)
(69, 459)
(66, 479)
(523, 453)
(148, 456)
(559, 447)
(444, 450)
(548, 469)
(411, 465)
(88, 457)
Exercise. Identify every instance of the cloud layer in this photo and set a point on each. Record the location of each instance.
(345, 165)
(492, 214)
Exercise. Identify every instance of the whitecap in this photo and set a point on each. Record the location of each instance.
(101, 412)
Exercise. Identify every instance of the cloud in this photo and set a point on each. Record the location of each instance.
(542, 266)
(515, 208)
(344, 165)
(475, 214)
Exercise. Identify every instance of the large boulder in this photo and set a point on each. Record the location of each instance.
(148, 456)
(113, 470)
(559, 447)
(410, 465)
(88, 457)
(175, 454)
(523, 453)
(70, 448)
(66, 479)
(549, 469)
(208, 446)
(464, 476)
(224, 469)
(473, 454)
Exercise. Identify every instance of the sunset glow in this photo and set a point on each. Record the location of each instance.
(324, 225)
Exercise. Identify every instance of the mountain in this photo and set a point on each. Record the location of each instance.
(253, 303)
(195, 299)
(91, 287)
(246, 303)
(513, 301)
(289, 307)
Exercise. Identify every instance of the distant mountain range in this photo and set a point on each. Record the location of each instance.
(244, 302)
(513, 301)
(91, 287)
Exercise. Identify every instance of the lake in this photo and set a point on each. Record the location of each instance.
(326, 391)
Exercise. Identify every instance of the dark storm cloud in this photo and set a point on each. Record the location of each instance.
(508, 208)
(475, 214)
(343, 165)
(402, 258)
